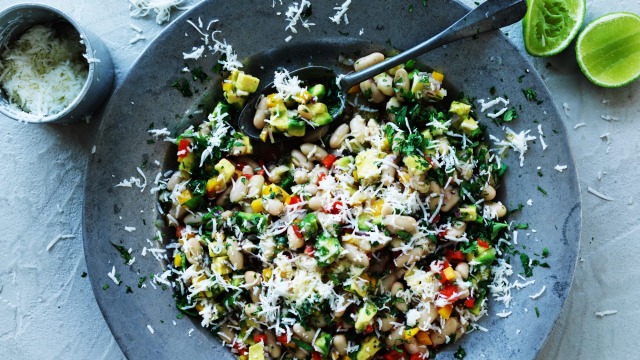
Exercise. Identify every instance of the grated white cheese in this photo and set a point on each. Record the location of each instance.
(112, 276)
(598, 194)
(560, 168)
(150, 329)
(294, 14)
(341, 13)
(129, 228)
(530, 202)
(162, 8)
(58, 238)
(486, 105)
(579, 125)
(137, 38)
(538, 294)
(609, 118)
(566, 108)
(518, 142)
(504, 314)
(41, 72)
(606, 312)
(195, 54)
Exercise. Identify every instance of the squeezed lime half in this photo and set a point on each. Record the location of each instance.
(550, 25)
(608, 49)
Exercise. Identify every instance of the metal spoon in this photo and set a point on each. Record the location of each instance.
(488, 16)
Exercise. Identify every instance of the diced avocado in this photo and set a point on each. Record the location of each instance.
(320, 114)
(256, 351)
(365, 223)
(367, 165)
(460, 108)
(328, 249)
(318, 91)
(365, 315)
(323, 343)
(343, 162)
(187, 162)
(279, 119)
(296, 127)
(219, 265)
(427, 134)
(248, 223)
(309, 226)
(477, 307)
(487, 257)
(416, 165)
(469, 212)
(419, 84)
(220, 109)
(247, 82)
(225, 168)
(469, 125)
(369, 347)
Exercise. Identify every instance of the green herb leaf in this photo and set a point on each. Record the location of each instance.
(524, 259)
(124, 253)
(460, 353)
(183, 86)
(545, 252)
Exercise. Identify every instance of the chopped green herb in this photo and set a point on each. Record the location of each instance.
(141, 281)
(460, 353)
(124, 253)
(129, 290)
(537, 311)
(520, 78)
(183, 86)
(524, 259)
(510, 115)
(540, 173)
(410, 8)
(545, 252)
(530, 94)
(521, 226)
(492, 91)
(424, 3)
(151, 141)
(199, 74)
(105, 287)
(542, 190)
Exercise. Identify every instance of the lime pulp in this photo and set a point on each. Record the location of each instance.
(550, 25)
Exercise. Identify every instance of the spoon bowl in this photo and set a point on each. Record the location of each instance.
(491, 15)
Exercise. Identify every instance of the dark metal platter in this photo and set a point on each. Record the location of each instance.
(145, 99)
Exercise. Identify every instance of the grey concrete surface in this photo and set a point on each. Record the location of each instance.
(47, 308)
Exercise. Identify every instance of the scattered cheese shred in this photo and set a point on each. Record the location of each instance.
(162, 8)
(538, 294)
(579, 125)
(150, 329)
(518, 142)
(295, 14)
(598, 194)
(112, 276)
(58, 238)
(606, 312)
(341, 13)
(560, 168)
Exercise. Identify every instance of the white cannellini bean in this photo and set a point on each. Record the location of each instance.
(457, 229)
(315, 203)
(226, 333)
(356, 256)
(194, 219)
(488, 192)
(449, 328)
(384, 82)
(174, 180)
(358, 129)
(238, 190)
(252, 310)
(338, 136)
(495, 208)
(294, 241)
(411, 346)
(193, 250)
(401, 83)
(368, 61)
(301, 176)
(313, 151)
(463, 269)
(303, 111)
(300, 160)
(340, 344)
(251, 279)
(395, 223)
(247, 170)
(272, 345)
(305, 335)
(410, 257)
(274, 207)
(386, 323)
(254, 188)
(395, 337)
(388, 172)
(301, 354)
(397, 286)
(261, 114)
(427, 316)
(268, 247)
(451, 198)
(235, 255)
(223, 198)
(371, 91)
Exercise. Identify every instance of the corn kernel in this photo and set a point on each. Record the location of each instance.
(354, 89)
(437, 76)
(256, 206)
(376, 206)
(266, 273)
(177, 260)
(449, 273)
(423, 338)
(243, 357)
(445, 311)
(199, 307)
(409, 333)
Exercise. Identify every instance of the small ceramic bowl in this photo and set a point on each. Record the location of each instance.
(16, 19)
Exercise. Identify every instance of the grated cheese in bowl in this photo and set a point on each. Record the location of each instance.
(43, 70)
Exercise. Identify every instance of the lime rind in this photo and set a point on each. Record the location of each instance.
(625, 41)
(550, 25)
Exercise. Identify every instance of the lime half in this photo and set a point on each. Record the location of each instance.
(608, 49)
(550, 25)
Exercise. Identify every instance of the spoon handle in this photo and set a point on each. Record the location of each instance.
(488, 16)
